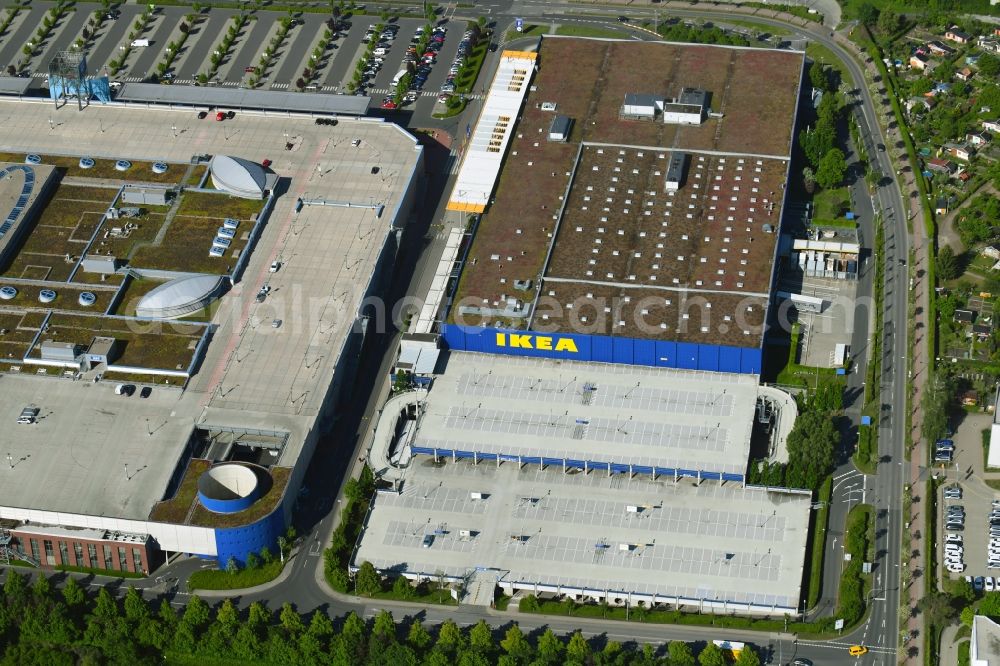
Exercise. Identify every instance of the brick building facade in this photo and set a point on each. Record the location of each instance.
(96, 549)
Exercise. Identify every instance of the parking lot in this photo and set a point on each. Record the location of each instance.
(199, 38)
(975, 535)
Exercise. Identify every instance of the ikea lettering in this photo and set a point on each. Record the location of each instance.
(544, 342)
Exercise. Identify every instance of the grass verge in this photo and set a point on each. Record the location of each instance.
(111, 573)
(215, 579)
(818, 544)
(588, 31)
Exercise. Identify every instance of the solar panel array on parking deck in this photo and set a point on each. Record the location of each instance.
(597, 412)
(713, 542)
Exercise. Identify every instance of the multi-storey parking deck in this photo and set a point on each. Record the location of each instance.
(702, 547)
(589, 417)
(272, 367)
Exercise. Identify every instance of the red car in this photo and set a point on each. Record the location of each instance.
(389, 105)
(220, 115)
(266, 163)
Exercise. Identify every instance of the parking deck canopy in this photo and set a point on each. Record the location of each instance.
(237, 98)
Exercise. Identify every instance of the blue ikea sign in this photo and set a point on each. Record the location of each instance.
(604, 349)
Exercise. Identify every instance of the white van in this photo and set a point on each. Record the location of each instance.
(379, 52)
(140, 42)
(399, 77)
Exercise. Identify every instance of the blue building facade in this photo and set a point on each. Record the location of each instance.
(604, 349)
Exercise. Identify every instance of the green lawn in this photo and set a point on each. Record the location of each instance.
(259, 509)
(588, 31)
(423, 594)
(216, 579)
(176, 508)
(466, 79)
(208, 204)
(831, 205)
(528, 31)
(140, 171)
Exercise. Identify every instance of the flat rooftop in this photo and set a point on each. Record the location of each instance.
(253, 375)
(596, 211)
(91, 452)
(714, 542)
(586, 411)
(19, 190)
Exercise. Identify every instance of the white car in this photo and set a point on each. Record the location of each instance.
(990, 586)
(956, 568)
(953, 538)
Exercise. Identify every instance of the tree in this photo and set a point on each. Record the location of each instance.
(253, 561)
(817, 76)
(963, 592)
(817, 142)
(712, 656)
(889, 21)
(402, 588)
(227, 615)
(73, 594)
(809, 179)
(679, 653)
(291, 621)
(988, 64)
(831, 169)
(384, 627)
(550, 648)
(232, 566)
(450, 640)
(418, 637)
(578, 649)
(184, 28)
(990, 605)
(367, 581)
(339, 580)
(516, 645)
(748, 657)
(136, 609)
(481, 639)
(867, 13)
(937, 607)
(811, 445)
(947, 264)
